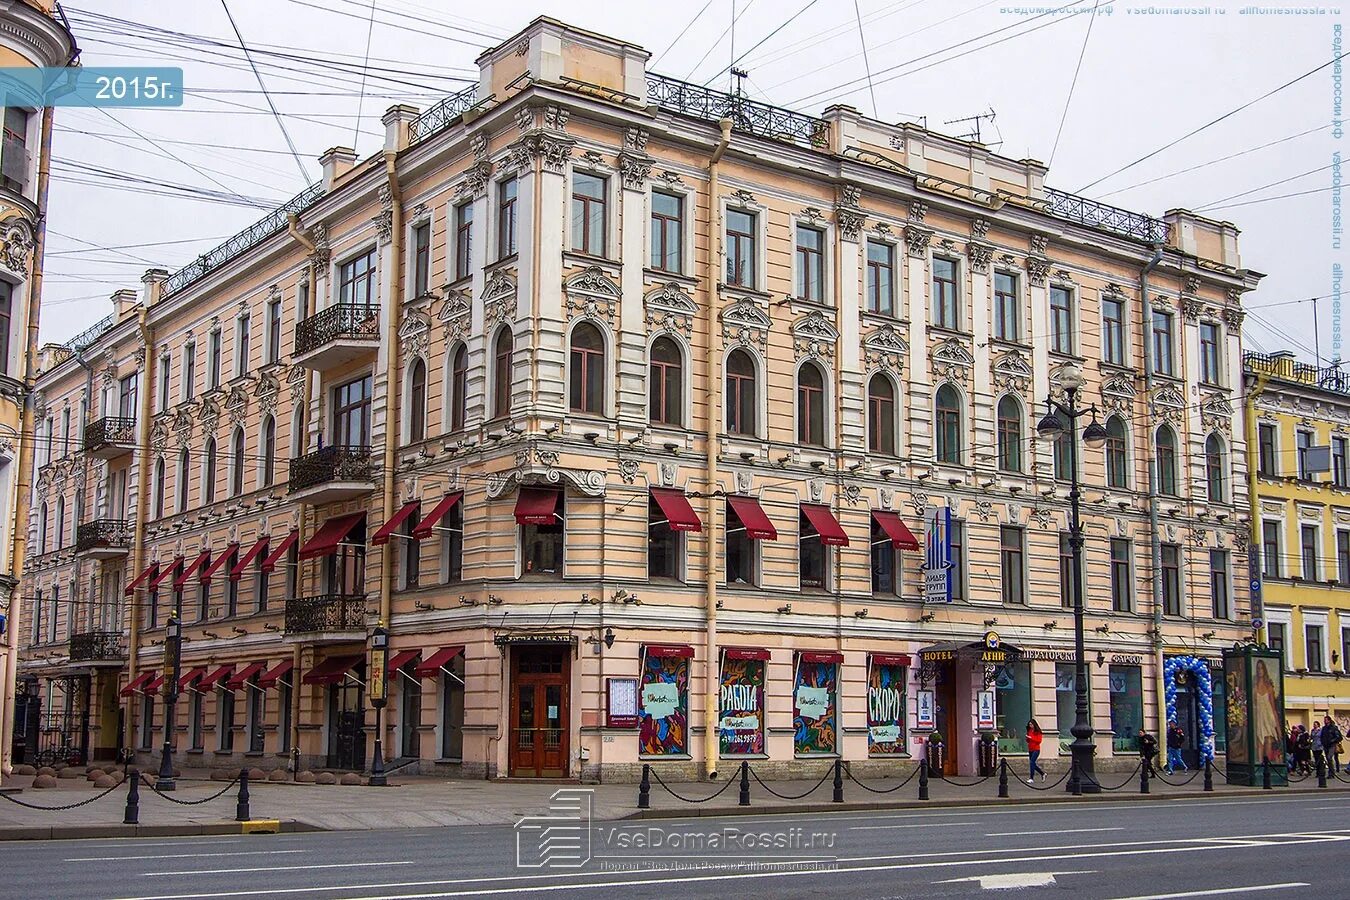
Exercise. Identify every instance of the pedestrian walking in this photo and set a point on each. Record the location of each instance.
(1176, 739)
(1315, 738)
(1331, 743)
(1034, 738)
(1148, 748)
(1303, 751)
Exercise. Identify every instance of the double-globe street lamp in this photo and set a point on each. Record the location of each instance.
(173, 645)
(1059, 425)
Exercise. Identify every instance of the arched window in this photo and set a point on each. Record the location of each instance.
(881, 414)
(1214, 468)
(184, 460)
(269, 451)
(237, 463)
(417, 401)
(1166, 458)
(1009, 434)
(159, 487)
(501, 374)
(1117, 462)
(587, 387)
(948, 425)
(740, 399)
(60, 522)
(209, 472)
(810, 405)
(459, 386)
(665, 383)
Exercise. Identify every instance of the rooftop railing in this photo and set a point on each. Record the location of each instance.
(1106, 217)
(745, 114)
(442, 114)
(1284, 367)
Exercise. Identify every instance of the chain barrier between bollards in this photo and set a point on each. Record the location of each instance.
(1124, 784)
(1044, 787)
(17, 802)
(890, 790)
(809, 792)
(719, 793)
(216, 796)
(1195, 773)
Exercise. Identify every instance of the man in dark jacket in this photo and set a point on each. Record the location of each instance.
(1148, 748)
(1331, 743)
(1176, 739)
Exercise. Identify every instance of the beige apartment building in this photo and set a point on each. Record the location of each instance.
(625, 405)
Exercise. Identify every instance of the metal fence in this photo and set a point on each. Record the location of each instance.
(746, 115)
(326, 612)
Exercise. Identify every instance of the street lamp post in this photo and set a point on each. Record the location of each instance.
(173, 644)
(1059, 424)
(379, 655)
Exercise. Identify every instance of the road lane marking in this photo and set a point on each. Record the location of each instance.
(1217, 892)
(178, 855)
(1013, 881)
(916, 825)
(1064, 831)
(346, 865)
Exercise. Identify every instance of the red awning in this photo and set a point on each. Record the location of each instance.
(537, 506)
(890, 659)
(153, 687)
(134, 685)
(215, 677)
(433, 664)
(821, 656)
(682, 651)
(151, 571)
(186, 681)
(746, 653)
(276, 673)
(259, 547)
(205, 577)
(826, 525)
(181, 581)
(433, 518)
(331, 670)
(896, 529)
(240, 678)
(757, 525)
(331, 533)
(677, 509)
(283, 548)
(163, 574)
(401, 659)
(386, 530)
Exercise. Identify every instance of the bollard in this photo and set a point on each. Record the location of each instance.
(133, 811)
(241, 808)
(1321, 771)
(1265, 774)
(923, 777)
(1003, 778)
(745, 782)
(645, 787)
(1075, 785)
(838, 781)
(1209, 777)
(1144, 771)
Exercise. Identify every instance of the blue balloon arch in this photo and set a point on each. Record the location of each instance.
(1199, 668)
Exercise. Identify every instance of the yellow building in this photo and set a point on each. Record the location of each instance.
(1301, 465)
(33, 33)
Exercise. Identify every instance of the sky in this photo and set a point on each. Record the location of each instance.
(1090, 93)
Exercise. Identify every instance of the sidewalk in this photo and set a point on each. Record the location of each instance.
(414, 802)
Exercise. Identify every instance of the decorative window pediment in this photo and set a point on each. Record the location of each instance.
(591, 294)
(743, 322)
(414, 332)
(670, 309)
(814, 336)
(1012, 372)
(951, 359)
(454, 314)
(885, 348)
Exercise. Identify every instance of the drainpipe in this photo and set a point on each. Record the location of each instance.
(714, 404)
(142, 506)
(26, 440)
(1253, 502)
(1155, 547)
(391, 406)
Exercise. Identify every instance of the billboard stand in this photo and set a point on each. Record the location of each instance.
(1254, 676)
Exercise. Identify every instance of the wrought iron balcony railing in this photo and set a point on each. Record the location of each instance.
(1284, 367)
(442, 114)
(93, 646)
(745, 114)
(103, 534)
(339, 462)
(326, 612)
(341, 321)
(85, 339)
(109, 432)
(1106, 217)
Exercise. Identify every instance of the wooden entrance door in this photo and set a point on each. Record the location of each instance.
(944, 696)
(539, 711)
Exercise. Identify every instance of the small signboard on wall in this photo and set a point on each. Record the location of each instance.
(986, 710)
(621, 709)
(925, 710)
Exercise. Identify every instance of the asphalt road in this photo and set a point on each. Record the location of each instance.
(1146, 849)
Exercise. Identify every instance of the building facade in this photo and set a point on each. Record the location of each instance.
(624, 404)
(33, 34)
(1300, 466)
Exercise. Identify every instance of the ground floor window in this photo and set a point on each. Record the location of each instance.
(885, 708)
(256, 700)
(284, 721)
(147, 721)
(410, 712)
(1066, 700)
(225, 720)
(452, 709)
(740, 724)
(1126, 687)
(1012, 687)
(197, 713)
(663, 725)
(815, 720)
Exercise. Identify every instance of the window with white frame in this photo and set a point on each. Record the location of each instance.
(1061, 320)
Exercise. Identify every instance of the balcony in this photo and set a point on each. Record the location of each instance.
(97, 648)
(327, 617)
(337, 335)
(103, 539)
(332, 474)
(110, 437)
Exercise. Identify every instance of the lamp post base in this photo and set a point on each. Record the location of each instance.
(166, 782)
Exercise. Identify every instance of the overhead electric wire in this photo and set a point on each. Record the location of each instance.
(793, 50)
(1082, 53)
(1321, 190)
(361, 101)
(398, 25)
(671, 46)
(1263, 187)
(731, 65)
(867, 65)
(715, 44)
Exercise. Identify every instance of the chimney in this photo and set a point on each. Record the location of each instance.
(398, 121)
(124, 303)
(152, 286)
(336, 162)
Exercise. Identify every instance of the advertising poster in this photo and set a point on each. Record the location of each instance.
(740, 724)
(814, 715)
(1267, 703)
(885, 709)
(664, 695)
(925, 712)
(986, 719)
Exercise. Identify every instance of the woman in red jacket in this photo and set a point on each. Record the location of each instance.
(1034, 738)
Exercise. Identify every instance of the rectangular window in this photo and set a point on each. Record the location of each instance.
(6, 323)
(1171, 579)
(14, 155)
(452, 709)
(254, 702)
(463, 241)
(284, 721)
(1308, 551)
(196, 716)
(1122, 582)
(1312, 645)
(1065, 570)
(1270, 549)
(663, 543)
(1220, 590)
(1163, 363)
(1013, 565)
(588, 214)
(506, 218)
(231, 587)
(1066, 698)
(421, 259)
(1113, 330)
(1276, 635)
(812, 555)
(667, 232)
(1267, 455)
(165, 363)
(188, 389)
(741, 248)
(1345, 649)
(241, 346)
(147, 721)
(880, 278)
(885, 562)
(1007, 315)
(810, 264)
(1126, 685)
(356, 280)
(411, 554)
(262, 585)
(224, 720)
(1209, 352)
(213, 361)
(958, 559)
(452, 544)
(742, 551)
(302, 301)
(1303, 441)
(1061, 320)
(274, 331)
(1340, 472)
(351, 413)
(542, 545)
(1343, 557)
(944, 298)
(1062, 452)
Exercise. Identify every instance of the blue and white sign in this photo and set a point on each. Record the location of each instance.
(937, 562)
